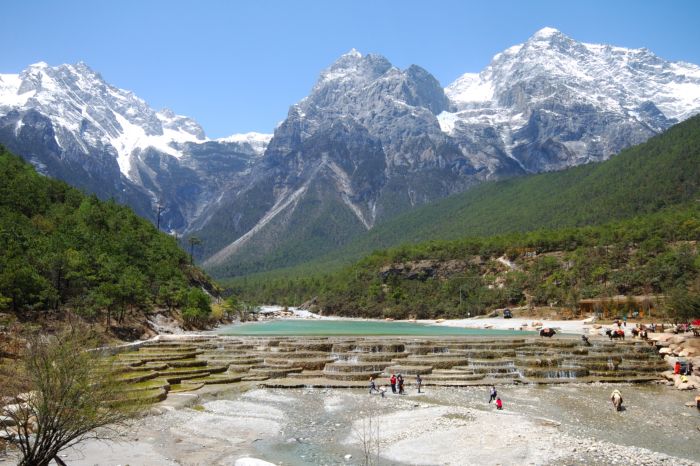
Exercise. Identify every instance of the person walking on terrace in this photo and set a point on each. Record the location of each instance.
(493, 394)
(372, 385)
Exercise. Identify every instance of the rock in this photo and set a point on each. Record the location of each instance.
(7, 421)
(25, 397)
(348, 456)
(665, 351)
(13, 408)
(252, 462)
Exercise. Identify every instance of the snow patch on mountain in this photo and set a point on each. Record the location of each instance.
(553, 88)
(608, 77)
(84, 108)
(257, 141)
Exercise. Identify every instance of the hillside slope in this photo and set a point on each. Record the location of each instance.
(661, 172)
(61, 250)
(655, 255)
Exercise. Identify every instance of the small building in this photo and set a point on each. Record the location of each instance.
(621, 305)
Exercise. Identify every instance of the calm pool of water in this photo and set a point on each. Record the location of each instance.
(353, 327)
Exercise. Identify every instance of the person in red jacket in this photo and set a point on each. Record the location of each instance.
(392, 382)
(677, 368)
(499, 403)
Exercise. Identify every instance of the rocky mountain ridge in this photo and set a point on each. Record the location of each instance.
(71, 124)
(553, 102)
(369, 141)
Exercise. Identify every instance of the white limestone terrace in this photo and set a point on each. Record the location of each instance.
(615, 79)
(86, 110)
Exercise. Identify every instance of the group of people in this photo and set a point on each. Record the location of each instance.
(396, 382)
(683, 368)
(494, 396)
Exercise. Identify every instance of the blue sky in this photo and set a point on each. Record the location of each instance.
(237, 66)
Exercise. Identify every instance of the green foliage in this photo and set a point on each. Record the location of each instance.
(61, 249)
(658, 174)
(662, 172)
(651, 254)
(197, 306)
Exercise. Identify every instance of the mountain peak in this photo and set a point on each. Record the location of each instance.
(546, 33)
(353, 65)
(39, 65)
(354, 53)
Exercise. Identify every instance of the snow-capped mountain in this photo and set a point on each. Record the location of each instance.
(73, 125)
(364, 145)
(368, 142)
(546, 104)
(555, 102)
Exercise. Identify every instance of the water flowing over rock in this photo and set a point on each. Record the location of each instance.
(176, 363)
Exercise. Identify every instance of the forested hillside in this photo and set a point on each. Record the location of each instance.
(662, 172)
(655, 254)
(61, 250)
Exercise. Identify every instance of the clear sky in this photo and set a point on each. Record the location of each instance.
(237, 66)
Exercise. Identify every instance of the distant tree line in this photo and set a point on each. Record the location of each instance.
(654, 254)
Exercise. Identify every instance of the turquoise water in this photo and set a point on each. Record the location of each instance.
(352, 327)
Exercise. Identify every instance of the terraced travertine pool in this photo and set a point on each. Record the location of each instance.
(185, 364)
(347, 327)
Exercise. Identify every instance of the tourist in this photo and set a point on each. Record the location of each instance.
(372, 385)
(382, 390)
(392, 381)
(400, 380)
(493, 394)
(419, 381)
(499, 403)
(677, 368)
(689, 368)
(584, 338)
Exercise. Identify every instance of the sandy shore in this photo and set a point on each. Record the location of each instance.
(498, 323)
(516, 323)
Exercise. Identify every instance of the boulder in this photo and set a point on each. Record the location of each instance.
(25, 397)
(8, 433)
(677, 339)
(13, 408)
(693, 342)
(665, 351)
(7, 421)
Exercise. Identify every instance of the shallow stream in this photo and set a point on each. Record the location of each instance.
(318, 421)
